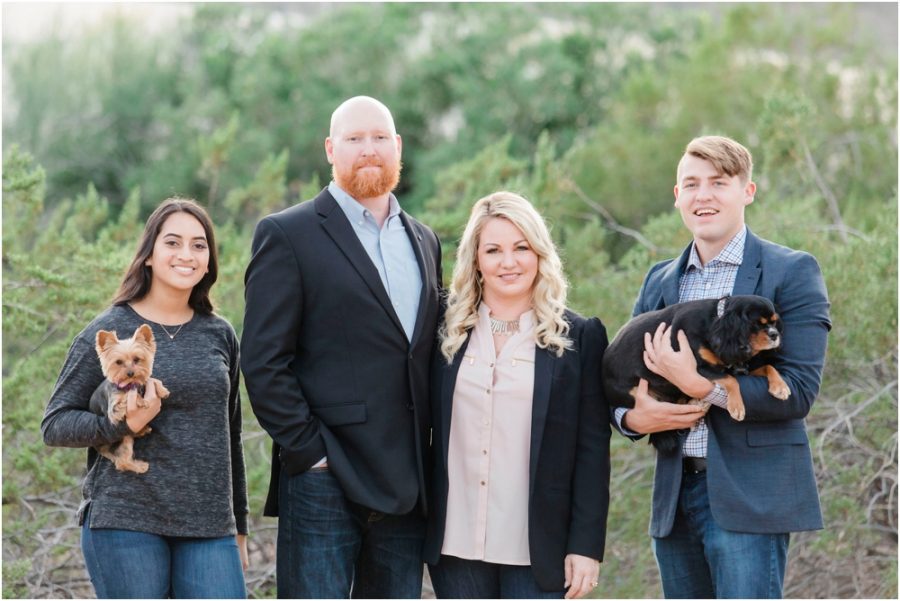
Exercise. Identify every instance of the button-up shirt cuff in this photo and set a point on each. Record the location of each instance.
(619, 415)
(718, 396)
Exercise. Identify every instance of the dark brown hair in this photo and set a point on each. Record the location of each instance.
(136, 283)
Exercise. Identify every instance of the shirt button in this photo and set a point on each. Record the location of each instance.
(487, 391)
(486, 422)
(484, 451)
(483, 483)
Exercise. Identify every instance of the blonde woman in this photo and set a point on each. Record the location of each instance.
(521, 428)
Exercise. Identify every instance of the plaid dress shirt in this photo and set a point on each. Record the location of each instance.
(714, 280)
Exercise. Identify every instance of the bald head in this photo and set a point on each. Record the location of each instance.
(364, 149)
(361, 108)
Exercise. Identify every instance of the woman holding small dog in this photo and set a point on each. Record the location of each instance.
(172, 522)
(520, 487)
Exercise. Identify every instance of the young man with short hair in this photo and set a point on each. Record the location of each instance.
(725, 504)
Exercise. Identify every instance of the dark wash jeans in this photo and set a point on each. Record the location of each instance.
(124, 564)
(700, 560)
(330, 548)
(455, 578)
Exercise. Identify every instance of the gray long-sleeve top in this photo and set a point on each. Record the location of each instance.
(196, 485)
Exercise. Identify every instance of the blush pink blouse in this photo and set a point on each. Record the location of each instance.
(490, 444)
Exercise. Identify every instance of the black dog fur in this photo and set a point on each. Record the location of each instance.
(743, 340)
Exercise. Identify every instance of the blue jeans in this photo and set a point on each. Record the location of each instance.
(124, 564)
(330, 548)
(700, 560)
(455, 578)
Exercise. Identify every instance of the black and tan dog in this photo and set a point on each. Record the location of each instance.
(729, 336)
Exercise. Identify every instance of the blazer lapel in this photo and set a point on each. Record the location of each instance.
(339, 229)
(672, 276)
(748, 273)
(448, 384)
(425, 300)
(544, 362)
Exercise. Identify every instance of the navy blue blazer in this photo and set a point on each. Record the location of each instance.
(759, 471)
(569, 463)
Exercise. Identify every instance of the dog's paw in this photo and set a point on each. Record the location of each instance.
(737, 412)
(138, 467)
(141, 402)
(780, 391)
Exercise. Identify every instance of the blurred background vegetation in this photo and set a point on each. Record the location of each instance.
(584, 108)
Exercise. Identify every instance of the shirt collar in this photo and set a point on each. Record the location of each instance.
(732, 254)
(355, 211)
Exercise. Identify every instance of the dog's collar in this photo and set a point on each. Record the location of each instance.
(720, 307)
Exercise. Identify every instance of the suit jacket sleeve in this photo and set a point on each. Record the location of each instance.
(272, 322)
(590, 488)
(802, 302)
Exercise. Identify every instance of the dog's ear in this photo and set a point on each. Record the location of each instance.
(105, 340)
(145, 335)
(730, 335)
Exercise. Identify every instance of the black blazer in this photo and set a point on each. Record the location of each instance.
(569, 465)
(328, 367)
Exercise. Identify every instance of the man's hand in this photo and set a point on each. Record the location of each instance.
(650, 415)
(581, 575)
(678, 367)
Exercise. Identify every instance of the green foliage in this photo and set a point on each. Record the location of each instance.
(582, 108)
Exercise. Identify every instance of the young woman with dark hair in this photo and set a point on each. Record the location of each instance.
(179, 529)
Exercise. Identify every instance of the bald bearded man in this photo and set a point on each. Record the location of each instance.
(342, 298)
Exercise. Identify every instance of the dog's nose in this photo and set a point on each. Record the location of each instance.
(773, 334)
(130, 373)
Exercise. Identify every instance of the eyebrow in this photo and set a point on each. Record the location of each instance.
(179, 236)
(514, 243)
(696, 178)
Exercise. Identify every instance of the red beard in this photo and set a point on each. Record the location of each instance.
(368, 184)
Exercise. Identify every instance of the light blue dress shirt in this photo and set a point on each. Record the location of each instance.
(391, 252)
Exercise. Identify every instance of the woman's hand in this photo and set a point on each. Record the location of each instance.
(581, 575)
(138, 417)
(242, 550)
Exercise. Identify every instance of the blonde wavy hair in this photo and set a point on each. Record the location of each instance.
(549, 290)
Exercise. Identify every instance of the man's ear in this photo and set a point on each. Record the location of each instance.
(675, 191)
(399, 145)
(749, 192)
(329, 150)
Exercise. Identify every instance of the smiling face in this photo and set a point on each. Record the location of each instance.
(364, 149)
(507, 263)
(711, 204)
(180, 256)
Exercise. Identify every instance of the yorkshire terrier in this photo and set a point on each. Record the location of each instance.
(127, 365)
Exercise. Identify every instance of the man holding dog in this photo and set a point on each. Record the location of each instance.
(725, 505)
(341, 311)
